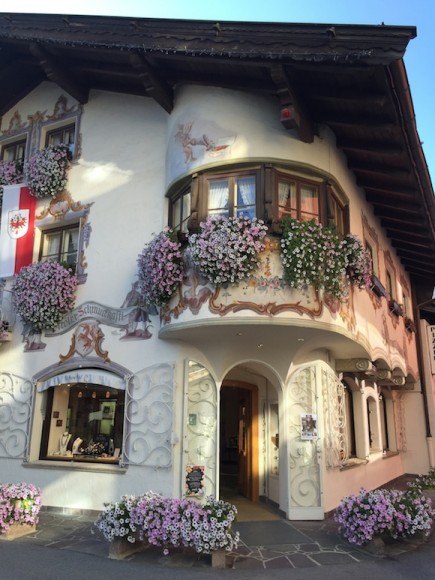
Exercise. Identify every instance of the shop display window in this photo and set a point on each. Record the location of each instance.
(83, 422)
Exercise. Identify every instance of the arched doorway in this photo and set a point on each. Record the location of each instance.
(249, 439)
(238, 458)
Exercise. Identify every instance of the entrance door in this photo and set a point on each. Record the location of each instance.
(239, 441)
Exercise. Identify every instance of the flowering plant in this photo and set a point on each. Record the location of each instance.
(314, 255)
(170, 522)
(358, 262)
(19, 503)
(115, 520)
(423, 482)
(173, 522)
(4, 327)
(227, 249)
(11, 172)
(395, 513)
(43, 293)
(160, 268)
(45, 171)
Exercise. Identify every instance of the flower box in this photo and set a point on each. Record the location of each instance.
(120, 548)
(18, 530)
(5, 336)
(377, 287)
(409, 325)
(395, 308)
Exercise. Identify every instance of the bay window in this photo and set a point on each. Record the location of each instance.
(263, 191)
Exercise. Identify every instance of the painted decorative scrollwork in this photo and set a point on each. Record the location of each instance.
(335, 440)
(148, 417)
(399, 417)
(202, 424)
(305, 484)
(15, 410)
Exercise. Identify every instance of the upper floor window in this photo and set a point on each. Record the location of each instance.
(181, 211)
(14, 151)
(60, 135)
(297, 198)
(390, 286)
(232, 196)
(60, 245)
(261, 191)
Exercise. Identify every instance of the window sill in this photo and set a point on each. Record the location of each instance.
(353, 462)
(388, 454)
(76, 465)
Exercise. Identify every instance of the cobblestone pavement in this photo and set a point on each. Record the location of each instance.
(318, 544)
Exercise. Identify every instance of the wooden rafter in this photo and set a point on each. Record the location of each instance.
(155, 87)
(293, 115)
(57, 74)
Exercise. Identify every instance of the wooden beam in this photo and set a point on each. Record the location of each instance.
(393, 205)
(370, 148)
(57, 74)
(293, 114)
(406, 194)
(155, 87)
(379, 169)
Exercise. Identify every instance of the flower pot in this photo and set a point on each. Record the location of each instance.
(5, 336)
(121, 548)
(18, 530)
(218, 559)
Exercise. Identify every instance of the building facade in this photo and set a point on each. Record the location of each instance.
(285, 395)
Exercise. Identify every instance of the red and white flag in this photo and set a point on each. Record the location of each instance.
(17, 229)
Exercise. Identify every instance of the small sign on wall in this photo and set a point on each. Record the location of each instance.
(431, 341)
(195, 480)
(308, 427)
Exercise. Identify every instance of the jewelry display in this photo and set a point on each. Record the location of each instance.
(63, 442)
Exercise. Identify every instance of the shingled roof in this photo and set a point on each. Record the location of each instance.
(349, 77)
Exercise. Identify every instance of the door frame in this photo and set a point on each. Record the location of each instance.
(253, 460)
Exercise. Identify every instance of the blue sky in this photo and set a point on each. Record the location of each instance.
(419, 58)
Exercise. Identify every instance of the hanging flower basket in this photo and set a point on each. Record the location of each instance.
(160, 268)
(11, 172)
(45, 172)
(227, 250)
(43, 293)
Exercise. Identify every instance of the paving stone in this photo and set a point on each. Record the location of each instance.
(328, 558)
(281, 562)
(301, 561)
(248, 564)
(308, 548)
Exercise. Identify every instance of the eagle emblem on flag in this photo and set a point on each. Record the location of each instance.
(18, 223)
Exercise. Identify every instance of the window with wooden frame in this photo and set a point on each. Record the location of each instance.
(180, 211)
(297, 198)
(263, 191)
(65, 135)
(60, 245)
(231, 195)
(14, 151)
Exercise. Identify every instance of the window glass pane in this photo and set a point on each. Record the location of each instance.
(70, 246)
(218, 197)
(309, 202)
(176, 214)
(185, 211)
(91, 423)
(51, 245)
(287, 199)
(245, 196)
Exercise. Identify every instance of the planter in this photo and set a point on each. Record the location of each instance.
(6, 336)
(395, 308)
(218, 559)
(377, 287)
(121, 548)
(18, 530)
(409, 325)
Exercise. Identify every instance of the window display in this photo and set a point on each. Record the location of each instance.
(83, 422)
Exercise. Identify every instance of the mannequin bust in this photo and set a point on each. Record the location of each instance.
(76, 445)
(63, 442)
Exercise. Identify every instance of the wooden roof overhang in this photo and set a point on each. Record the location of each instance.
(349, 77)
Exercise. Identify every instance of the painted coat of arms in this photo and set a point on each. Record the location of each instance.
(18, 223)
